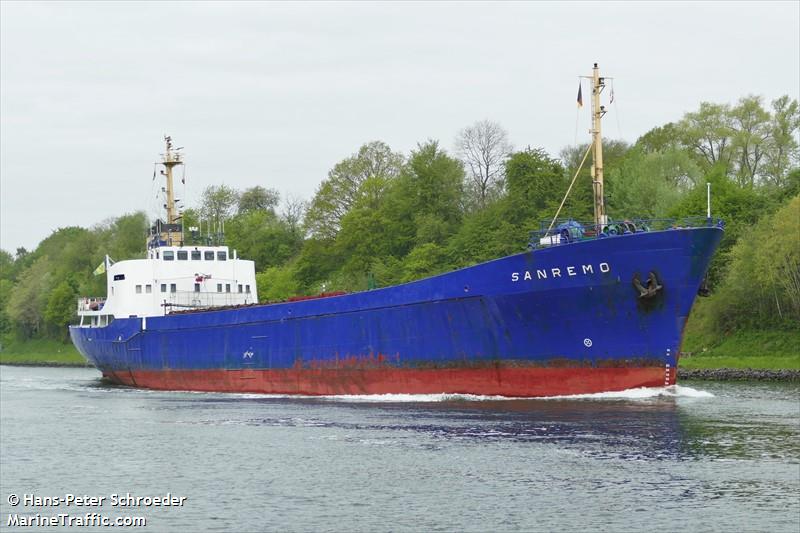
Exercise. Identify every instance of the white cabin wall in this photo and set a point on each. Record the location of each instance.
(123, 300)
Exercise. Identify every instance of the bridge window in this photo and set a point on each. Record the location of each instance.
(208, 255)
(240, 287)
(227, 287)
(221, 256)
(173, 287)
(169, 255)
(196, 255)
(196, 287)
(163, 287)
(247, 289)
(219, 287)
(183, 255)
(138, 289)
(148, 289)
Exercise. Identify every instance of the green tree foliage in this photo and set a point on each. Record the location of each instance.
(29, 298)
(535, 185)
(217, 204)
(6, 325)
(61, 308)
(258, 199)
(344, 186)
(6, 264)
(649, 184)
(762, 288)
(485, 235)
(739, 207)
(425, 260)
(277, 283)
(363, 237)
(749, 144)
(782, 151)
(580, 203)
(707, 133)
(429, 194)
(259, 235)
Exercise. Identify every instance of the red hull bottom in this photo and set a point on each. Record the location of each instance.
(516, 382)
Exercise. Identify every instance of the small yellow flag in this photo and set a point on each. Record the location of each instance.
(100, 269)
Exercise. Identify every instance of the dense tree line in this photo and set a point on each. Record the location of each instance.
(382, 217)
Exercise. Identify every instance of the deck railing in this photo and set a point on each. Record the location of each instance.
(90, 304)
(567, 231)
(201, 300)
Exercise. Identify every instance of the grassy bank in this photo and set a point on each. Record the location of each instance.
(763, 349)
(41, 352)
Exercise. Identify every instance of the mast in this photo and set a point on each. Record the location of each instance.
(598, 84)
(171, 158)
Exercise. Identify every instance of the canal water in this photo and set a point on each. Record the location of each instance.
(701, 456)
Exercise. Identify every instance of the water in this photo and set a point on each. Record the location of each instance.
(697, 457)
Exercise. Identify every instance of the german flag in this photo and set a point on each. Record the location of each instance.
(580, 95)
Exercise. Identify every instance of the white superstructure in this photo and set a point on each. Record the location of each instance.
(174, 275)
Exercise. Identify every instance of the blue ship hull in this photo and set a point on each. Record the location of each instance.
(566, 319)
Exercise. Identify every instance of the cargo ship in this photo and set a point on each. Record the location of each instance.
(583, 308)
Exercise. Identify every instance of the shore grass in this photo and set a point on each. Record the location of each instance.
(760, 350)
(42, 352)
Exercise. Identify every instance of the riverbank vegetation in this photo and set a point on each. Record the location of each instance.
(382, 217)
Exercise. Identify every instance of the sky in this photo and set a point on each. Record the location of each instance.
(275, 94)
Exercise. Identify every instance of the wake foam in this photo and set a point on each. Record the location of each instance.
(642, 393)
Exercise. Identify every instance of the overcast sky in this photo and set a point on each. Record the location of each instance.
(274, 94)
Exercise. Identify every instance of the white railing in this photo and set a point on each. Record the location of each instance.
(176, 301)
(91, 304)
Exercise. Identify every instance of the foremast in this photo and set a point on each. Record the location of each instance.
(171, 231)
(598, 84)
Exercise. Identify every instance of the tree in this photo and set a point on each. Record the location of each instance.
(425, 260)
(751, 132)
(6, 288)
(707, 132)
(739, 207)
(344, 186)
(484, 148)
(27, 303)
(293, 212)
(580, 203)
(262, 237)
(258, 199)
(762, 288)
(782, 147)
(429, 193)
(6, 264)
(217, 203)
(61, 308)
(276, 283)
(535, 183)
(660, 139)
(648, 185)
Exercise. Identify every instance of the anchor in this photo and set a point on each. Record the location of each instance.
(651, 289)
